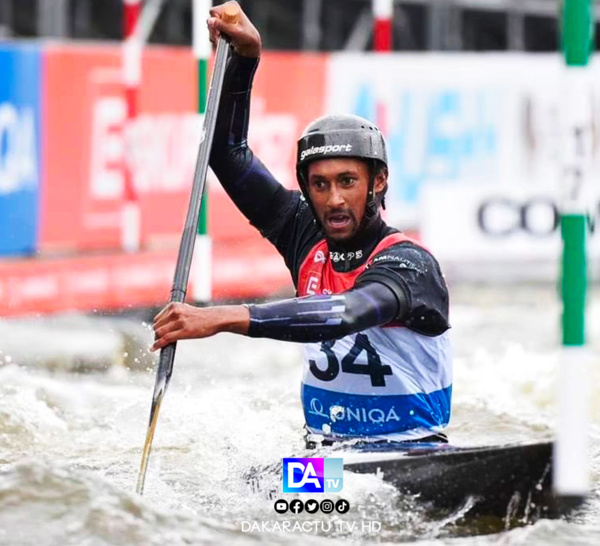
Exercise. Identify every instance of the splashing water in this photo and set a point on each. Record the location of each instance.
(70, 443)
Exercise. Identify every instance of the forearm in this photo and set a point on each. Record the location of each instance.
(246, 180)
(325, 317)
(234, 108)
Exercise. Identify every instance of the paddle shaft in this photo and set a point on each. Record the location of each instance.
(186, 247)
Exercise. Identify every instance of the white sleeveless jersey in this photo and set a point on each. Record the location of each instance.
(383, 383)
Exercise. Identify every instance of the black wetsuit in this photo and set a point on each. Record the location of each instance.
(403, 284)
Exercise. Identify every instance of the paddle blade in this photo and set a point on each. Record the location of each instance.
(163, 376)
(148, 445)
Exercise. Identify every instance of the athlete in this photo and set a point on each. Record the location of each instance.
(371, 305)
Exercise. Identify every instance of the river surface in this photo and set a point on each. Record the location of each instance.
(72, 430)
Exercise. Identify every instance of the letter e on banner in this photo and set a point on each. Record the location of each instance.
(108, 148)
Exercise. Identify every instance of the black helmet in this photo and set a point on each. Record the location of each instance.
(342, 135)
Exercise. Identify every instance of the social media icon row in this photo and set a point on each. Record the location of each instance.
(296, 506)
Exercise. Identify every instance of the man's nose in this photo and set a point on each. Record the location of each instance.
(336, 199)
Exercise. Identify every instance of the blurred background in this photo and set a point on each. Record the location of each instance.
(332, 25)
(101, 107)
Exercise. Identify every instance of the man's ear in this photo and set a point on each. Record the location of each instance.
(380, 182)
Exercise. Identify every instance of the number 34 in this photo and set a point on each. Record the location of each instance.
(373, 368)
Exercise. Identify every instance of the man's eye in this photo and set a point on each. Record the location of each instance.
(348, 180)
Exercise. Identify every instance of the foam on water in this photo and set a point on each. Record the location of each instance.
(70, 444)
(45, 503)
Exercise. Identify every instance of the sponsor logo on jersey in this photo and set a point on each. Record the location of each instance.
(312, 285)
(403, 263)
(343, 256)
(359, 414)
(320, 257)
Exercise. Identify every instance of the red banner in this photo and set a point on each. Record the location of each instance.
(82, 190)
(85, 146)
(119, 280)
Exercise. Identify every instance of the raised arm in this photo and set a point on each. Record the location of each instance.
(246, 180)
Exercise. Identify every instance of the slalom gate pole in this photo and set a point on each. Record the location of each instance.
(188, 238)
(571, 465)
(132, 75)
(383, 14)
(202, 263)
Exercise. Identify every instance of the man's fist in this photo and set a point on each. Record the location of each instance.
(243, 35)
(182, 321)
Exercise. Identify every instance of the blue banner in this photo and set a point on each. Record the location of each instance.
(20, 158)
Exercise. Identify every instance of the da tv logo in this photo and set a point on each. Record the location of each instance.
(313, 475)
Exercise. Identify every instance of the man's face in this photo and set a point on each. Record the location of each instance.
(338, 191)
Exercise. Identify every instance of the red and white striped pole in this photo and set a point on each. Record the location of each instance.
(132, 75)
(383, 13)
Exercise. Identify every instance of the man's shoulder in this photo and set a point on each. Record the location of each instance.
(403, 253)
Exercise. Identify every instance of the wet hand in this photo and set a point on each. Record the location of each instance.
(179, 321)
(182, 321)
(243, 35)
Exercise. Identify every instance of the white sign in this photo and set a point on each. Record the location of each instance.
(466, 226)
(492, 120)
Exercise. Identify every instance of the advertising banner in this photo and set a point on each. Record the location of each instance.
(491, 120)
(85, 145)
(118, 280)
(20, 162)
(485, 233)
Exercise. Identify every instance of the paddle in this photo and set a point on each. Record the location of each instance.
(186, 247)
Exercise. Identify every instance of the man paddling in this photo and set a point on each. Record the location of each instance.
(372, 305)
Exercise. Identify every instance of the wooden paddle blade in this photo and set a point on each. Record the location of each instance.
(148, 445)
(163, 376)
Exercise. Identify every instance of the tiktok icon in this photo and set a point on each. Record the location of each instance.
(342, 506)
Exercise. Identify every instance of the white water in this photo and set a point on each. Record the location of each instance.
(70, 443)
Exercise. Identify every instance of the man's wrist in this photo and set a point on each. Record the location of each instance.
(236, 319)
(242, 73)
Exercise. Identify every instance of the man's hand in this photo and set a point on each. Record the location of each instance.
(243, 34)
(182, 321)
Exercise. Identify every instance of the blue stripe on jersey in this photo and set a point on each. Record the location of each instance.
(365, 415)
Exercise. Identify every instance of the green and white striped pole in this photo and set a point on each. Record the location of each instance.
(571, 467)
(202, 264)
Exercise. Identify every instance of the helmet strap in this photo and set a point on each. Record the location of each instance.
(373, 200)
